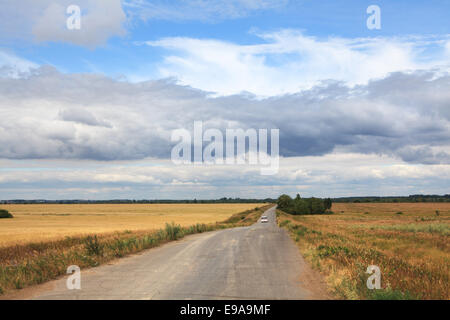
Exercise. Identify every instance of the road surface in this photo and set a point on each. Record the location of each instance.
(256, 262)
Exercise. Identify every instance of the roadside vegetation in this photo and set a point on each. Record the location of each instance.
(411, 249)
(34, 263)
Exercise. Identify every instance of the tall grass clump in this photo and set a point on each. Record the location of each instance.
(173, 231)
(93, 246)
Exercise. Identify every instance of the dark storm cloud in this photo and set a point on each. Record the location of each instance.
(48, 114)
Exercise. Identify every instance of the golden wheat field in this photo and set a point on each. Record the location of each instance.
(41, 222)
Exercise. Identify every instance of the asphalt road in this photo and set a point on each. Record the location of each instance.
(256, 262)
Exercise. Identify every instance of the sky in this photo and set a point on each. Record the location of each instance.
(88, 113)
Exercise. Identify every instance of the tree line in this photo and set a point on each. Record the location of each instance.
(131, 201)
(301, 205)
(368, 199)
(396, 199)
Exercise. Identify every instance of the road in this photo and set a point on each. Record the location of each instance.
(256, 262)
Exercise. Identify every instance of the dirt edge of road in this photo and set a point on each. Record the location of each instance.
(312, 279)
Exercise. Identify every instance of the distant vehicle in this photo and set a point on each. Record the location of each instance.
(264, 220)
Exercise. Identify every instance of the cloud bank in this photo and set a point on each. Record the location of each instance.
(47, 114)
(338, 174)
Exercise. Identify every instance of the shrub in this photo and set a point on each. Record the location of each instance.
(93, 246)
(301, 230)
(5, 214)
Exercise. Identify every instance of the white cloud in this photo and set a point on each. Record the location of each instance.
(333, 174)
(45, 21)
(447, 47)
(289, 61)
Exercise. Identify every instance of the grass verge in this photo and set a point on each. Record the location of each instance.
(25, 265)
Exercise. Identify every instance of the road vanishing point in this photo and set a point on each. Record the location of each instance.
(256, 262)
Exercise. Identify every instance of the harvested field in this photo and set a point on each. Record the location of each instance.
(43, 222)
(409, 242)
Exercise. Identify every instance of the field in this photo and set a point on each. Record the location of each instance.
(409, 242)
(43, 222)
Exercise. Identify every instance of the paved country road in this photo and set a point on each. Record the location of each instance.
(256, 262)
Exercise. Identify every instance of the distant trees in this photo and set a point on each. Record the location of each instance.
(122, 201)
(284, 201)
(5, 214)
(407, 199)
(303, 206)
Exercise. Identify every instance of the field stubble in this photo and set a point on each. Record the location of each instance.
(46, 222)
(408, 241)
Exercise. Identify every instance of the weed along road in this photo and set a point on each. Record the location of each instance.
(256, 262)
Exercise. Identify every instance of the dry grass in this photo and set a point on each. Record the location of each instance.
(44, 222)
(408, 241)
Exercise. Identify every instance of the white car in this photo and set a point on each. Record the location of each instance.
(264, 219)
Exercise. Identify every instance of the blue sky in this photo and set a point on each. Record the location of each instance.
(120, 55)
(88, 113)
